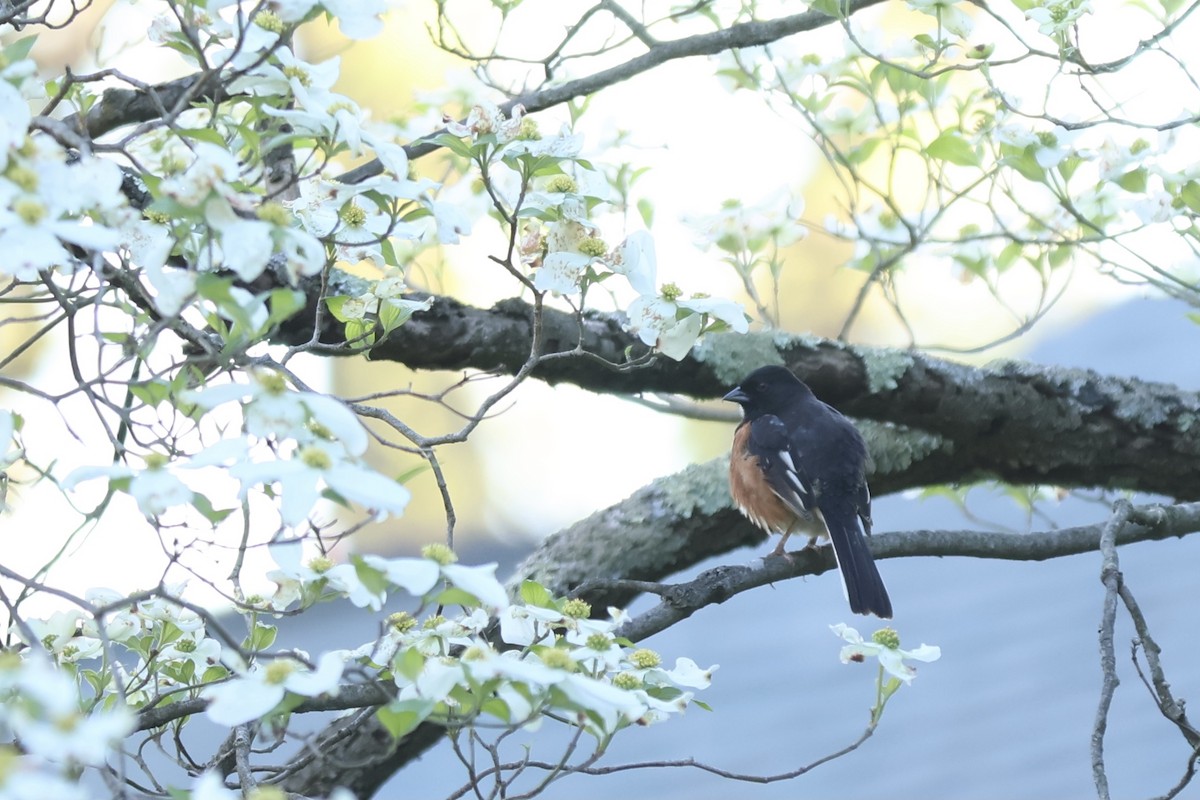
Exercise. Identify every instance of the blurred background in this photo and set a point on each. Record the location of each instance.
(1008, 709)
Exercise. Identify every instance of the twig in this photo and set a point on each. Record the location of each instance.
(1110, 576)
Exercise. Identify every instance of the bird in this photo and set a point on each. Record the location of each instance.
(798, 465)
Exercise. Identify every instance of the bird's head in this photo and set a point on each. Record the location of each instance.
(767, 390)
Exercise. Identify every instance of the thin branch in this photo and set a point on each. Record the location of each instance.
(745, 34)
(721, 583)
(1110, 576)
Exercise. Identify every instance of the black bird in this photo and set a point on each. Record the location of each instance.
(798, 465)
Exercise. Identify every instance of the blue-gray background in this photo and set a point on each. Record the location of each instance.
(1006, 712)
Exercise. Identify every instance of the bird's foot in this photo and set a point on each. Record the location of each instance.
(779, 551)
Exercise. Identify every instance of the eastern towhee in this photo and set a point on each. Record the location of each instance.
(798, 465)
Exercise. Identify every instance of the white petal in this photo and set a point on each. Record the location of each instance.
(676, 341)
(209, 786)
(603, 698)
(689, 673)
(857, 652)
(324, 680)
(636, 260)
(414, 575)
(926, 652)
(334, 415)
(344, 578)
(213, 396)
(893, 664)
(725, 310)
(846, 632)
(82, 474)
(561, 272)
(92, 237)
(241, 700)
(479, 581)
(368, 488)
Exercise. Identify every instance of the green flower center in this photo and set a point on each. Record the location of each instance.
(353, 216)
(562, 183)
(316, 458)
(439, 552)
(886, 637)
(298, 74)
(30, 211)
(577, 609)
(279, 670)
(645, 658)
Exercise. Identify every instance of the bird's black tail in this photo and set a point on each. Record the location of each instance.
(860, 577)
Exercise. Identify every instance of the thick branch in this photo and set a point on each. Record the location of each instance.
(118, 107)
(1015, 422)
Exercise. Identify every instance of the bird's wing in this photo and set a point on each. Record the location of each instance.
(783, 464)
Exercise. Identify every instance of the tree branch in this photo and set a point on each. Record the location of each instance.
(118, 107)
(680, 601)
(1020, 423)
(622, 576)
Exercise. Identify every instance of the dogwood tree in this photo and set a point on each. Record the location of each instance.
(188, 242)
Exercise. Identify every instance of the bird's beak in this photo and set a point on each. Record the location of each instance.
(736, 395)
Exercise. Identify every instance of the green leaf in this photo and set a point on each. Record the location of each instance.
(410, 663)
(1059, 255)
(218, 290)
(205, 507)
(373, 579)
(261, 637)
(283, 304)
(1133, 181)
(388, 251)
(335, 304)
(1068, 165)
(739, 77)
(1009, 255)
(455, 597)
(1190, 194)
(926, 41)
(1025, 163)
(210, 135)
(214, 673)
(409, 474)
(646, 209)
(454, 144)
(356, 333)
(577, 108)
(534, 594)
(863, 150)
(392, 316)
(19, 50)
(151, 392)
(830, 8)
(497, 708)
(952, 147)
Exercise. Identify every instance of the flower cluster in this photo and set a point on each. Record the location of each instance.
(40, 706)
(1055, 18)
(551, 659)
(562, 244)
(54, 208)
(377, 311)
(307, 444)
